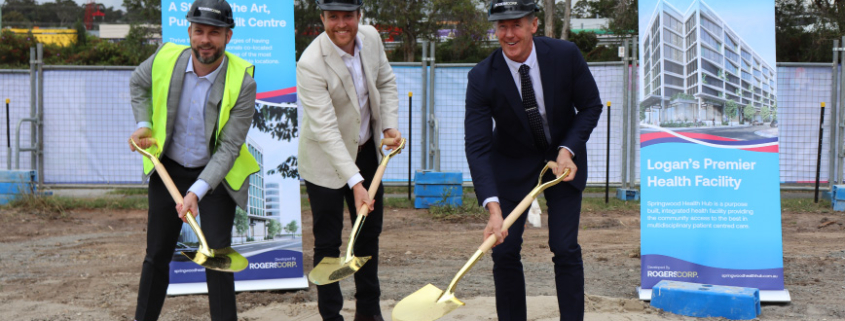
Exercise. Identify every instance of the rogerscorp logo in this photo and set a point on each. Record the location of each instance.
(513, 3)
(672, 274)
(272, 265)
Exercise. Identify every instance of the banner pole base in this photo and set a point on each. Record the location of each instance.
(769, 296)
(240, 286)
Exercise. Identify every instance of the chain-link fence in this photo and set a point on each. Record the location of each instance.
(408, 80)
(15, 86)
(87, 121)
(87, 118)
(801, 89)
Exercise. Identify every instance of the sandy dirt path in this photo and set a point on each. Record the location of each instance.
(86, 266)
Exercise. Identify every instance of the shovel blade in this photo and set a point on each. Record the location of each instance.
(224, 260)
(333, 269)
(427, 304)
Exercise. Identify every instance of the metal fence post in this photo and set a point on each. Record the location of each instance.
(835, 99)
(424, 109)
(834, 148)
(625, 114)
(434, 125)
(635, 115)
(8, 139)
(832, 172)
(33, 94)
(39, 122)
(819, 151)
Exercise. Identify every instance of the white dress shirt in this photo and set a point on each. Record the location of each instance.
(356, 70)
(188, 145)
(537, 84)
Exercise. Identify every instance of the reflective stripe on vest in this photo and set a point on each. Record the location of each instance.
(163, 69)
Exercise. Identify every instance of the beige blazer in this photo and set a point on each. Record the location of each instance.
(328, 145)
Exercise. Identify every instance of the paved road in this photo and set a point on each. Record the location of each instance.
(249, 249)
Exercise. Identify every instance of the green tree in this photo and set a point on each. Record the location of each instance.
(803, 35)
(417, 19)
(557, 19)
(282, 124)
(143, 11)
(273, 228)
(748, 112)
(469, 25)
(585, 40)
(624, 20)
(15, 19)
(241, 221)
(765, 112)
(594, 8)
(292, 227)
(81, 34)
(306, 17)
(731, 108)
(774, 111)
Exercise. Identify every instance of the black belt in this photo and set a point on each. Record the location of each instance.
(360, 147)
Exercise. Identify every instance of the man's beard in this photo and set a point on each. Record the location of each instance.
(207, 61)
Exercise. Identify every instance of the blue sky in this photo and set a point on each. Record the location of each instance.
(752, 20)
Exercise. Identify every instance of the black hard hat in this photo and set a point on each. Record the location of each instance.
(211, 12)
(510, 9)
(340, 5)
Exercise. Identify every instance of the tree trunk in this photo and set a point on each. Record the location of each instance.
(564, 34)
(409, 46)
(550, 18)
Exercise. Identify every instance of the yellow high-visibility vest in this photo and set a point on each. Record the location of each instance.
(163, 65)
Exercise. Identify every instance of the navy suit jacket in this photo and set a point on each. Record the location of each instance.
(503, 161)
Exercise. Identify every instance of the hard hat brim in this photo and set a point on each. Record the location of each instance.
(210, 22)
(508, 15)
(339, 7)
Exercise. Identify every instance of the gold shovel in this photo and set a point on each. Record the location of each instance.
(431, 303)
(225, 259)
(333, 269)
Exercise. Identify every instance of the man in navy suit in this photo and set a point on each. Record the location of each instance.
(530, 102)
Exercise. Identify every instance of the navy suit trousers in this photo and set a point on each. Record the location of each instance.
(564, 203)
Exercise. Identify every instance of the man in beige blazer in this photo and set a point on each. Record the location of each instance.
(347, 91)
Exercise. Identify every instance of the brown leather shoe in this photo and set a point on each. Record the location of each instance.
(359, 317)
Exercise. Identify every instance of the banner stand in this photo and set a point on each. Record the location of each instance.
(241, 286)
(769, 296)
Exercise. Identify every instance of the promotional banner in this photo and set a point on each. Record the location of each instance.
(710, 202)
(268, 233)
(263, 35)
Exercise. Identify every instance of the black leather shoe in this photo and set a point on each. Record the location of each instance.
(359, 317)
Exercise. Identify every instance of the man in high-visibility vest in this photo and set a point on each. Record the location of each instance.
(197, 102)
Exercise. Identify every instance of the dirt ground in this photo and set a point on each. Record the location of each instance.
(86, 266)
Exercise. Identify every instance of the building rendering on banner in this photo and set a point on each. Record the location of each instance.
(698, 72)
(258, 217)
(271, 204)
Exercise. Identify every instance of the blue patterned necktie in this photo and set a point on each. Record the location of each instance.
(529, 102)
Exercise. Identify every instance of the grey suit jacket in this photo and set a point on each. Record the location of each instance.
(233, 134)
(328, 146)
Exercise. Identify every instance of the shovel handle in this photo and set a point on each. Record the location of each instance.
(364, 210)
(523, 205)
(509, 220)
(174, 193)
